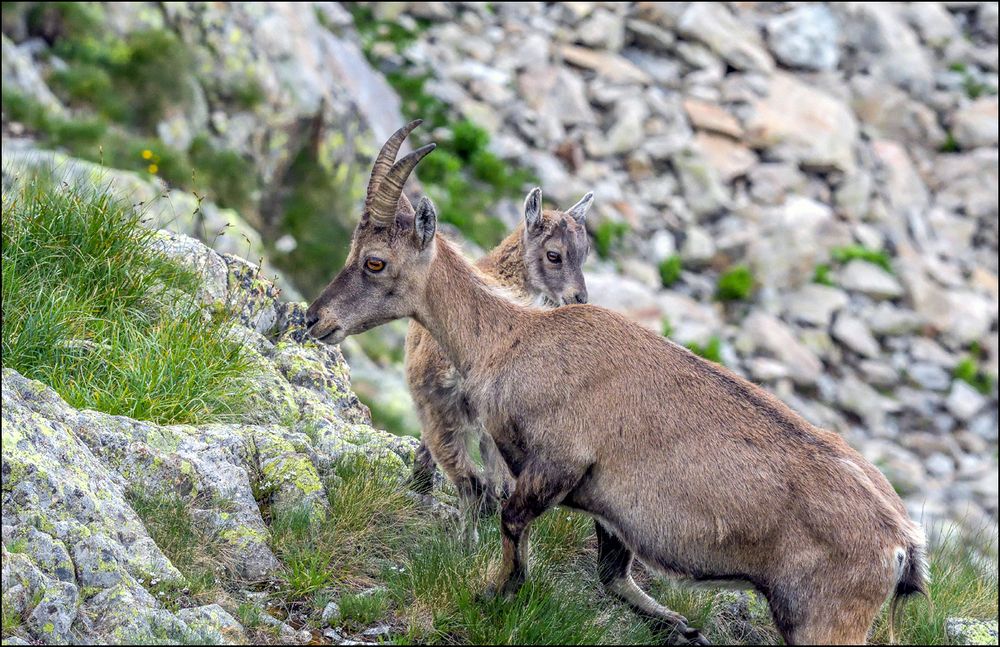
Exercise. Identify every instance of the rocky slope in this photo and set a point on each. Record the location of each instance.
(78, 563)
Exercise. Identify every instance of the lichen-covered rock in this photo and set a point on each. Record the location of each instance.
(966, 631)
(741, 618)
(77, 559)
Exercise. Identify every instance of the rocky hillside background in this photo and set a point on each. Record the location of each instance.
(806, 193)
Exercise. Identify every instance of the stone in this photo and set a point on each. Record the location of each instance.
(854, 334)
(22, 75)
(603, 29)
(741, 617)
(806, 38)
(776, 338)
(610, 66)
(716, 27)
(650, 36)
(711, 117)
(968, 631)
(729, 158)
(703, 190)
(964, 402)
(867, 278)
(976, 124)
(798, 123)
(815, 304)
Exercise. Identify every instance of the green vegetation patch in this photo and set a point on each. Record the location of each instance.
(735, 284)
(91, 309)
(670, 270)
(608, 235)
(968, 370)
(860, 252)
(710, 350)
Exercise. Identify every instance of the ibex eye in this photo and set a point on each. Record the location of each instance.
(375, 264)
(554, 257)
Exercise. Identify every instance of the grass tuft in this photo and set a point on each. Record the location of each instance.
(670, 270)
(859, 252)
(93, 311)
(735, 284)
(711, 350)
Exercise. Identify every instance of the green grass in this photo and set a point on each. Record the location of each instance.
(961, 585)
(822, 275)
(607, 236)
(735, 284)
(969, 371)
(859, 252)
(85, 311)
(359, 610)
(711, 350)
(670, 270)
(12, 620)
(666, 327)
(168, 520)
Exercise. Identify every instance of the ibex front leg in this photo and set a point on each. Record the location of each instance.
(540, 486)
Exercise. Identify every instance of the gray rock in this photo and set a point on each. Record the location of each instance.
(976, 124)
(775, 337)
(741, 617)
(929, 376)
(714, 25)
(862, 276)
(964, 402)
(815, 304)
(213, 625)
(805, 38)
(853, 333)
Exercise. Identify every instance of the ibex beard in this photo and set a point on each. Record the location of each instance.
(682, 463)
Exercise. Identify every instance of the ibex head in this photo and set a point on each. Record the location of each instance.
(392, 243)
(555, 248)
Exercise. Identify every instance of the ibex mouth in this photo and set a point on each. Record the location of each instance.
(334, 336)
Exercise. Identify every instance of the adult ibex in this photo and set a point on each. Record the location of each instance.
(681, 463)
(541, 259)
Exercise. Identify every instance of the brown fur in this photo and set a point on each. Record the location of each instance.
(683, 464)
(518, 264)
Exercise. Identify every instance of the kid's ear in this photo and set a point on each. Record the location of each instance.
(424, 222)
(533, 209)
(580, 209)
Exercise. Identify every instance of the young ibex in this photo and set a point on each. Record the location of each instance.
(682, 464)
(541, 259)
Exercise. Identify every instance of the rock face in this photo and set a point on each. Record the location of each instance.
(84, 565)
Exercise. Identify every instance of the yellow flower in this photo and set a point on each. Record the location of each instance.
(147, 154)
(153, 168)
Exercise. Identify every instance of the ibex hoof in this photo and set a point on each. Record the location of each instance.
(691, 636)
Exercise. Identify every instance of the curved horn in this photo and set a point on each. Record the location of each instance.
(383, 205)
(386, 156)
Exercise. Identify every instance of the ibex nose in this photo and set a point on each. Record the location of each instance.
(581, 296)
(311, 319)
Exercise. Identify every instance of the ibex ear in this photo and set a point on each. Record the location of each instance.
(580, 209)
(424, 222)
(533, 209)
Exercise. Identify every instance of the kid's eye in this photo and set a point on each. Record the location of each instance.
(374, 264)
(553, 257)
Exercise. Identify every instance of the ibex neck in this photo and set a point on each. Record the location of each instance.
(462, 313)
(506, 262)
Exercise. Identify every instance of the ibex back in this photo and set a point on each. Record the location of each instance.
(541, 260)
(680, 462)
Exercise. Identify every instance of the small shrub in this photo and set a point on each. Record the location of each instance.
(822, 275)
(950, 144)
(859, 252)
(712, 350)
(607, 235)
(467, 139)
(735, 284)
(968, 371)
(670, 270)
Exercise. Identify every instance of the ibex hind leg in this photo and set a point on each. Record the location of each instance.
(499, 478)
(445, 432)
(614, 565)
(817, 616)
(422, 479)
